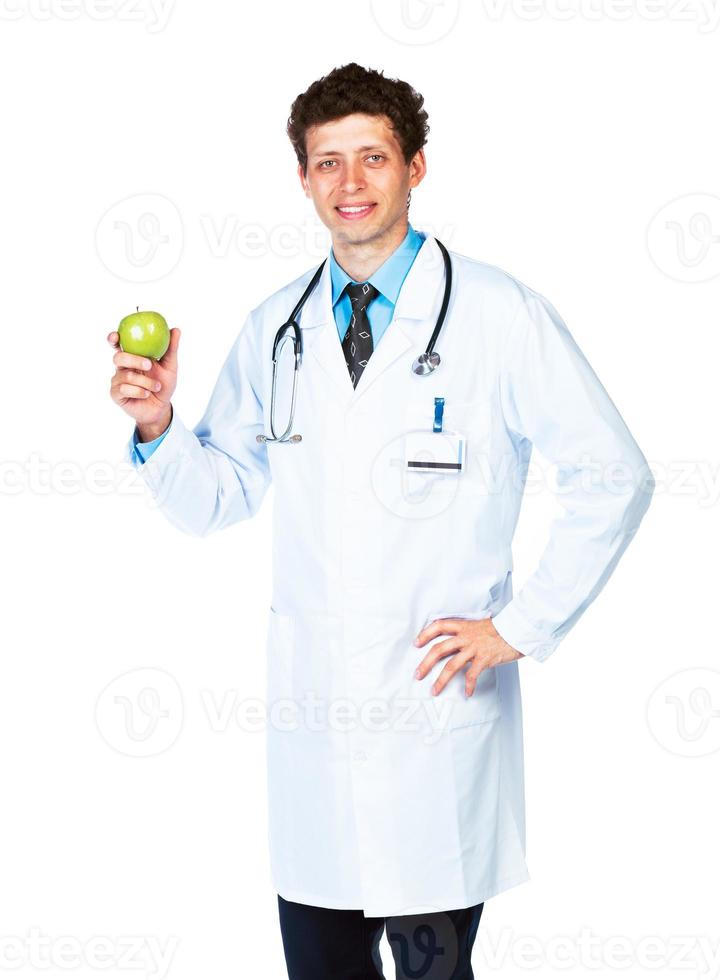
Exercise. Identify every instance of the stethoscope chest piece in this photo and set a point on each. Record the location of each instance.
(426, 363)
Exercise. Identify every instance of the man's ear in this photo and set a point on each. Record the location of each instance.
(418, 168)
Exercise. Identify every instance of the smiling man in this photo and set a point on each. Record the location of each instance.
(355, 171)
(392, 572)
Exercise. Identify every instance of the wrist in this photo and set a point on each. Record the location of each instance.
(506, 647)
(148, 431)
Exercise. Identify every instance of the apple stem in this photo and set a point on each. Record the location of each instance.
(137, 309)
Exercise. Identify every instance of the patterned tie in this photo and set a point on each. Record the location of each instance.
(357, 343)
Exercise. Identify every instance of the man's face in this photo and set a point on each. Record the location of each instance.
(357, 160)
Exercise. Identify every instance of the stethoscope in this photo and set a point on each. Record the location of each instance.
(423, 365)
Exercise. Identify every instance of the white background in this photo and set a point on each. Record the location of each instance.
(565, 145)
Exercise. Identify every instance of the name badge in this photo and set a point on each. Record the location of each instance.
(435, 452)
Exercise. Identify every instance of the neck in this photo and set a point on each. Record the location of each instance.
(361, 259)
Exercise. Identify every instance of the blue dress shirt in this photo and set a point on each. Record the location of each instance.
(387, 280)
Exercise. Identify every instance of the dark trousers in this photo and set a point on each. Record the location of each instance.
(342, 944)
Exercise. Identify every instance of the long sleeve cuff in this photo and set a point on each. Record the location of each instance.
(521, 635)
(139, 452)
(145, 449)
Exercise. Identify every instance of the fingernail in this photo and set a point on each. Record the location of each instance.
(417, 673)
(147, 365)
(157, 386)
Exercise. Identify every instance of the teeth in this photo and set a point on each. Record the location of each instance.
(355, 210)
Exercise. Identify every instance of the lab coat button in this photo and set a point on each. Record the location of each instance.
(360, 756)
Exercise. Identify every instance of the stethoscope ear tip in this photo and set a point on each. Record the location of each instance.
(294, 438)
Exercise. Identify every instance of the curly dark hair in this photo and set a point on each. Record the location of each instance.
(352, 88)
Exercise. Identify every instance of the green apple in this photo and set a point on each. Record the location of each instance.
(144, 333)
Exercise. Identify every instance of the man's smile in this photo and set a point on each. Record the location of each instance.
(352, 212)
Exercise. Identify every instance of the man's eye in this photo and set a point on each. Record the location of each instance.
(378, 155)
(326, 161)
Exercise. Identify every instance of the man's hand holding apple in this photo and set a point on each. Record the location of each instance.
(143, 387)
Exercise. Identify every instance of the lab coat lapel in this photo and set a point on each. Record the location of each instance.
(415, 314)
(320, 337)
(416, 308)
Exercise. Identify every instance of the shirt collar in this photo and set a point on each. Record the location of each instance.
(390, 276)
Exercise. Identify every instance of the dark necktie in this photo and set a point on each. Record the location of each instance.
(357, 343)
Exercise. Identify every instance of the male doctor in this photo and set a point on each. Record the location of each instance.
(394, 737)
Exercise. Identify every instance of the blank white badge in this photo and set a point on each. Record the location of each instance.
(434, 452)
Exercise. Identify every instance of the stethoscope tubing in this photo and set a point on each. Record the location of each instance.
(292, 319)
(445, 301)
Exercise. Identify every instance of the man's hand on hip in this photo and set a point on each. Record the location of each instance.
(472, 641)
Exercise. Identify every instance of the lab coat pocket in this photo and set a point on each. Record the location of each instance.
(279, 655)
(451, 708)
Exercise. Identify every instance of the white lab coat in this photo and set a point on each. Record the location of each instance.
(381, 797)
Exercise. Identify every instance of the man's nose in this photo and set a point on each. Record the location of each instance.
(353, 177)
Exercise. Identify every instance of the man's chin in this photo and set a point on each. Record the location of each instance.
(355, 235)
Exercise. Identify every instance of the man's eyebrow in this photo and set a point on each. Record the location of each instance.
(337, 153)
